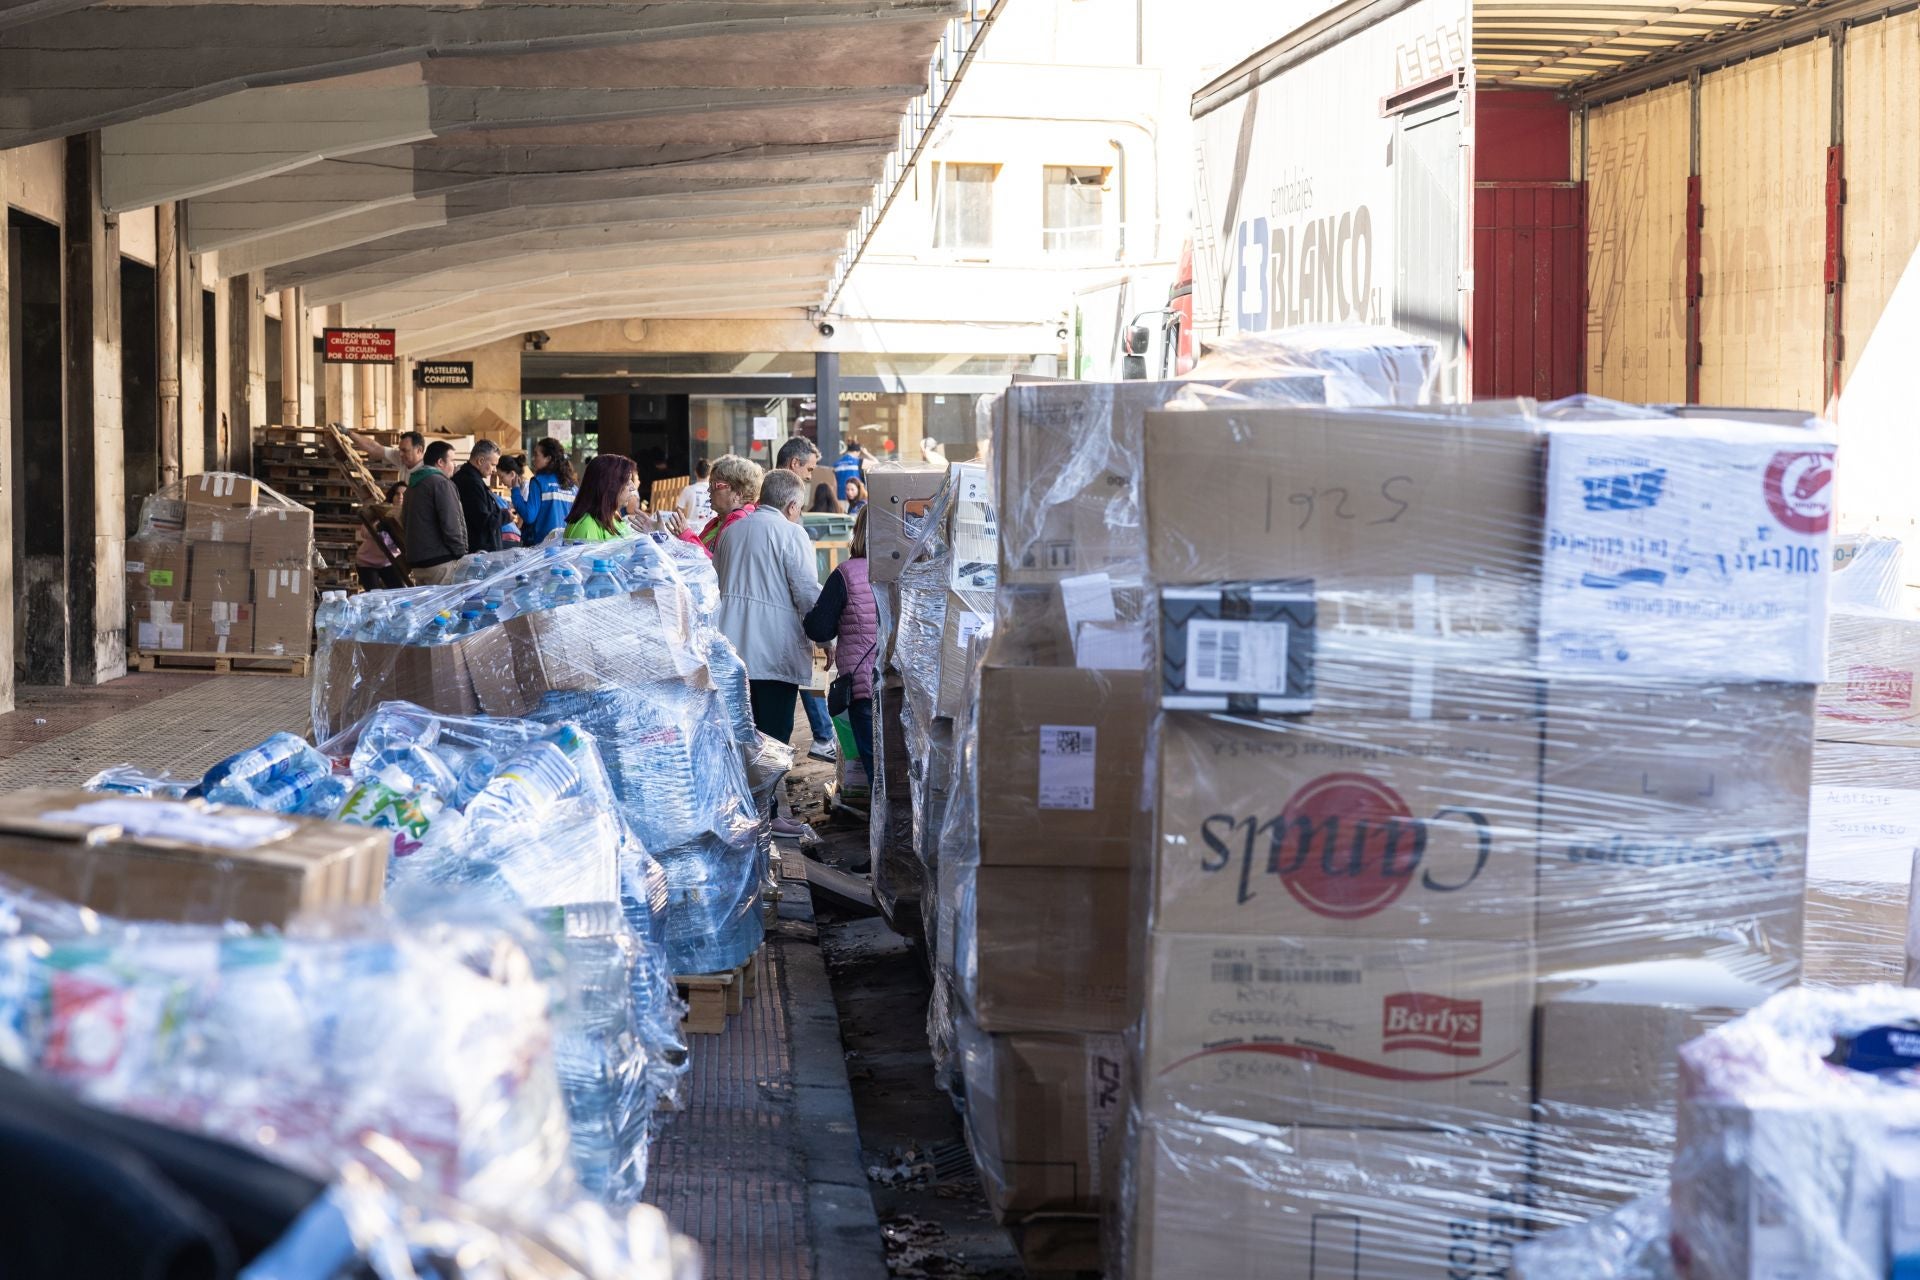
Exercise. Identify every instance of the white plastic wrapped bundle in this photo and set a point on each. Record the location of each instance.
(1364, 364)
(434, 1037)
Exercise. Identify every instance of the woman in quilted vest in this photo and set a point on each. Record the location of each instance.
(844, 617)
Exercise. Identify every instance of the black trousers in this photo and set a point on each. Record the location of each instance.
(773, 707)
(375, 579)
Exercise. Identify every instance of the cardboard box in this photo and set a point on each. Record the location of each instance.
(1671, 821)
(973, 531)
(1863, 842)
(1070, 465)
(159, 626)
(1346, 827)
(282, 611)
(220, 524)
(1059, 784)
(222, 489)
(156, 570)
(968, 613)
(899, 496)
(1696, 550)
(1326, 496)
(217, 571)
(220, 628)
(1606, 1078)
(1337, 1031)
(1873, 672)
(282, 537)
(1046, 949)
(1040, 1112)
(1294, 1203)
(106, 852)
(1032, 629)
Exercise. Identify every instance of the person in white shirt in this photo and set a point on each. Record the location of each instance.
(695, 506)
(406, 455)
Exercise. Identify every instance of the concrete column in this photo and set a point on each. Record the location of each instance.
(398, 401)
(826, 401)
(246, 345)
(419, 409)
(220, 348)
(363, 395)
(96, 480)
(309, 392)
(6, 489)
(290, 334)
(166, 275)
(338, 381)
(195, 350)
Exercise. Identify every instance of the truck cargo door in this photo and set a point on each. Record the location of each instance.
(1427, 193)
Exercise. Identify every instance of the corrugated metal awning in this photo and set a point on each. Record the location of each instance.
(1539, 44)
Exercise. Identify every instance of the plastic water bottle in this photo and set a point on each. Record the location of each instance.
(393, 626)
(535, 779)
(420, 765)
(490, 611)
(525, 596)
(646, 565)
(564, 588)
(440, 629)
(468, 624)
(282, 775)
(601, 583)
(480, 767)
(334, 618)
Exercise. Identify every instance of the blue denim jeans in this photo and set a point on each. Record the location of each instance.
(817, 718)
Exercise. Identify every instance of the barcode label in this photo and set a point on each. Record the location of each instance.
(1232, 972)
(1322, 977)
(1236, 657)
(1067, 755)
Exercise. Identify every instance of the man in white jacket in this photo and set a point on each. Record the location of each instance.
(768, 581)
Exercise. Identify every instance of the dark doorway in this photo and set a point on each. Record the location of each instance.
(39, 452)
(661, 445)
(273, 371)
(139, 384)
(212, 458)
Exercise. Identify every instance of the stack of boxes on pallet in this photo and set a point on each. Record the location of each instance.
(1866, 800)
(899, 498)
(1479, 776)
(222, 570)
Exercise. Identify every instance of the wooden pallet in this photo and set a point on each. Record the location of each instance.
(712, 998)
(253, 664)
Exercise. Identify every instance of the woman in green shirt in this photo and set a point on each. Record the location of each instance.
(609, 492)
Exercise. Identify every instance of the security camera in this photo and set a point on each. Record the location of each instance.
(826, 329)
(1061, 333)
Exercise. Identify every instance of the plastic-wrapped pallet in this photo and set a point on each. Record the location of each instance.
(221, 565)
(1479, 765)
(613, 637)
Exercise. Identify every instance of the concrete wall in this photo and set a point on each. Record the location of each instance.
(496, 389)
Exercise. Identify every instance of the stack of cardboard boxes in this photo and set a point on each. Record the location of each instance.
(1866, 802)
(224, 570)
(1479, 781)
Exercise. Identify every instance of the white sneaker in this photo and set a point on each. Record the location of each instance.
(823, 749)
(790, 829)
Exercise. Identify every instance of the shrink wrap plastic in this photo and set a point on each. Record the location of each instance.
(1406, 783)
(615, 638)
(1479, 761)
(425, 1044)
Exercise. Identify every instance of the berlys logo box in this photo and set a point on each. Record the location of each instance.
(1346, 828)
(1330, 1031)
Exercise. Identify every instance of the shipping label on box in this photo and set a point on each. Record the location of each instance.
(1298, 1203)
(1060, 785)
(1337, 1031)
(1245, 648)
(156, 570)
(1872, 688)
(159, 626)
(1698, 551)
(1671, 821)
(1346, 827)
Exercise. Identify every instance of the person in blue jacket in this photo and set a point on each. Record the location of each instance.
(543, 499)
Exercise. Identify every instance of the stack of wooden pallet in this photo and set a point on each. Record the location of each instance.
(307, 465)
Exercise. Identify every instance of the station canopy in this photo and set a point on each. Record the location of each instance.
(466, 171)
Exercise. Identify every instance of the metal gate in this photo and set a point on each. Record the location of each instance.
(1529, 309)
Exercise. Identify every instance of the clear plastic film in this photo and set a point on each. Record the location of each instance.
(428, 1042)
(1866, 572)
(615, 638)
(221, 564)
(1364, 364)
(898, 875)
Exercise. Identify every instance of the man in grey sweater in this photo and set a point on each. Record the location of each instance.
(436, 530)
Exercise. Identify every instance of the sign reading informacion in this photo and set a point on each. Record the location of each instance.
(443, 373)
(359, 346)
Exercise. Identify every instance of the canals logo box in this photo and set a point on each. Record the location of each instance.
(1346, 827)
(1334, 1032)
